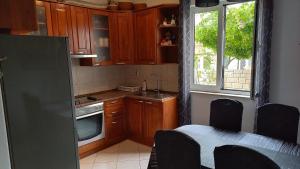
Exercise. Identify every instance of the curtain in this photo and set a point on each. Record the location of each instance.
(184, 63)
(263, 51)
(262, 59)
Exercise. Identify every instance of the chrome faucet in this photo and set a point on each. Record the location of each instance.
(157, 76)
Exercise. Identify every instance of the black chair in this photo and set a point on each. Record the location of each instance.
(226, 114)
(175, 150)
(237, 157)
(278, 121)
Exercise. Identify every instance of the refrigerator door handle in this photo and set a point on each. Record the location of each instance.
(3, 59)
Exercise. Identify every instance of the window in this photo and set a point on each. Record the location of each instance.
(223, 47)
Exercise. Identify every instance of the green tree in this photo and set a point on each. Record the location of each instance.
(239, 32)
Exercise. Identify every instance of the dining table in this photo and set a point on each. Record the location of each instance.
(286, 155)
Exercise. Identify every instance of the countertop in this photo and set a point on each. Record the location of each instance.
(115, 94)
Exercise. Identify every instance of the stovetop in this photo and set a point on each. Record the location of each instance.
(87, 105)
(81, 101)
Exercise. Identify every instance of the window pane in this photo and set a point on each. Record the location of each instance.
(239, 46)
(206, 47)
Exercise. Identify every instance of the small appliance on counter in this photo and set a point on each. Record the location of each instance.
(129, 88)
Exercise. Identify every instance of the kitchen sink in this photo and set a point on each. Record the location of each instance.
(154, 95)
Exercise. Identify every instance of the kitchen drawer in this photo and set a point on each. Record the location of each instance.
(115, 111)
(114, 103)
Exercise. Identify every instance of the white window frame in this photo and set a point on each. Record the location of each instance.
(218, 88)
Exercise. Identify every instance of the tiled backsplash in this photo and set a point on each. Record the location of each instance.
(167, 75)
(94, 79)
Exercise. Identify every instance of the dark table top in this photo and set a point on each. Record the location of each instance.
(286, 155)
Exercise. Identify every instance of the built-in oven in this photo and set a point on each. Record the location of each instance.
(90, 123)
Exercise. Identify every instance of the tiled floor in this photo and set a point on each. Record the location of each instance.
(125, 155)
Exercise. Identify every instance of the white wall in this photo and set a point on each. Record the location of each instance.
(285, 67)
(201, 110)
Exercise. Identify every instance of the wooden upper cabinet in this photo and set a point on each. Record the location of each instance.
(100, 35)
(123, 32)
(134, 118)
(81, 31)
(5, 21)
(61, 22)
(44, 21)
(18, 16)
(146, 36)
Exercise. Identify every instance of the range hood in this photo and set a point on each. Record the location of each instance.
(79, 56)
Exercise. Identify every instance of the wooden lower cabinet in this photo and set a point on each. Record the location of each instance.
(152, 120)
(115, 129)
(91, 148)
(135, 119)
(115, 121)
(144, 118)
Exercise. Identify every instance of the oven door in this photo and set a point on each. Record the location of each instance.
(90, 128)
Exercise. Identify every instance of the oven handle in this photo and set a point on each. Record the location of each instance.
(89, 115)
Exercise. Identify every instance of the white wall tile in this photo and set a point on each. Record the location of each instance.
(166, 74)
(94, 79)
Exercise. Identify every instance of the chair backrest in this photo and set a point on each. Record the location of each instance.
(278, 121)
(237, 157)
(226, 114)
(175, 150)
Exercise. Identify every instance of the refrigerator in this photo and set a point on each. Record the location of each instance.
(37, 122)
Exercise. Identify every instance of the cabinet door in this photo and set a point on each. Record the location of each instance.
(5, 22)
(153, 118)
(81, 33)
(115, 130)
(145, 26)
(100, 35)
(124, 31)
(44, 22)
(61, 22)
(134, 118)
(19, 16)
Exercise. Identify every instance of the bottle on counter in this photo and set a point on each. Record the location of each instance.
(144, 86)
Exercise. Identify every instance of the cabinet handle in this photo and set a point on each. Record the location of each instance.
(120, 63)
(114, 122)
(3, 59)
(80, 52)
(97, 64)
(114, 102)
(148, 102)
(58, 9)
(151, 63)
(141, 102)
(114, 112)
